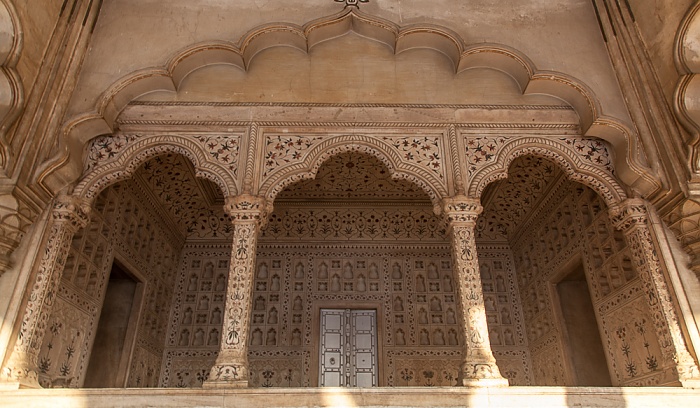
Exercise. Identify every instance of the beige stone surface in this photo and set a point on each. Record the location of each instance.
(530, 397)
(553, 34)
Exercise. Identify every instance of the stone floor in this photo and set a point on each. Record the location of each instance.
(521, 397)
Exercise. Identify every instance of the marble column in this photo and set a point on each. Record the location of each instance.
(248, 214)
(632, 218)
(479, 367)
(69, 214)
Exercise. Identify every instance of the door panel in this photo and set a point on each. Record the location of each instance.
(348, 348)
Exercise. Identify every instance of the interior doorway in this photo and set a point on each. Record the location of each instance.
(348, 348)
(587, 355)
(115, 331)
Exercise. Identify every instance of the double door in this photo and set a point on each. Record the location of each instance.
(348, 348)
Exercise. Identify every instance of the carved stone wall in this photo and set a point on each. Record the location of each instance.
(124, 223)
(573, 221)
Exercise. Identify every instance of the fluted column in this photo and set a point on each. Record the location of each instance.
(248, 214)
(632, 218)
(479, 367)
(69, 214)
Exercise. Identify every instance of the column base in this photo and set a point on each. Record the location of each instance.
(485, 382)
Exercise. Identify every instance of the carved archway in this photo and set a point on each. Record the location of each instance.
(584, 160)
(307, 163)
(169, 77)
(112, 159)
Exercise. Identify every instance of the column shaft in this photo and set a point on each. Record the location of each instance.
(479, 366)
(68, 216)
(231, 367)
(631, 217)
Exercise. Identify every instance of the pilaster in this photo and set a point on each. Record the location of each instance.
(248, 214)
(479, 367)
(69, 214)
(632, 218)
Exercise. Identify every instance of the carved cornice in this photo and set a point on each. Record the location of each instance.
(74, 211)
(629, 213)
(461, 209)
(247, 208)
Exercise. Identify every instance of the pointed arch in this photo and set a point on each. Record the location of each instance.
(103, 173)
(567, 157)
(307, 166)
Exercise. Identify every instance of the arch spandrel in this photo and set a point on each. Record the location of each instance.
(406, 157)
(111, 159)
(585, 160)
(61, 169)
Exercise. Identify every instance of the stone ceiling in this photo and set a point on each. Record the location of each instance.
(353, 176)
(507, 203)
(192, 203)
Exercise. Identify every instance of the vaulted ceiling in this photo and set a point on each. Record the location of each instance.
(191, 203)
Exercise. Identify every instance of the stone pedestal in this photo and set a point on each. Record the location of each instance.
(479, 368)
(230, 370)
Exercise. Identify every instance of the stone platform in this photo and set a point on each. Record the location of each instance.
(521, 397)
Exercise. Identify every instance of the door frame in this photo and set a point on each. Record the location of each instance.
(316, 333)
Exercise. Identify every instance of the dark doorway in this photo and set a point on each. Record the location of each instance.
(585, 346)
(112, 345)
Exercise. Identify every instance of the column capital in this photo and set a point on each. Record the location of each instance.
(72, 210)
(247, 207)
(461, 209)
(629, 213)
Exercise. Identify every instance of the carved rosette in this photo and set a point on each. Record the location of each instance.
(479, 367)
(248, 214)
(69, 214)
(632, 218)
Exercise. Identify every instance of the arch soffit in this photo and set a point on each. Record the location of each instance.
(601, 181)
(125, 164)
(79, 130)
(308, 167)
(687, 92)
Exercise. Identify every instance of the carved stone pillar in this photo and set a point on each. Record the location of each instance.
(248, 214)
(632, 218)
(479, 368)
(69, 214)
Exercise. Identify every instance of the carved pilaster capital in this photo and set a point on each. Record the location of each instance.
(71, 210)
(629, 213)
(246, 207)
(461, 210)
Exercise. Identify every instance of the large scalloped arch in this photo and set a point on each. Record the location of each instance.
(80, 129)
(11, 89)
(312, 161)
(687, 92)
(575, 169)
(133, 156)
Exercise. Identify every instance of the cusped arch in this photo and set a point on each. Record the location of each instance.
(11, 89)
(687, 92)
(561, 154)
(307, 167)
(125, 164)
(101, 120)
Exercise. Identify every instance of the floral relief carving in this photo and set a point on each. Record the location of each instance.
(425, 151)
(281, 150)
(224, 149)
(592, 150)
(482, 150)
(105, 148)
